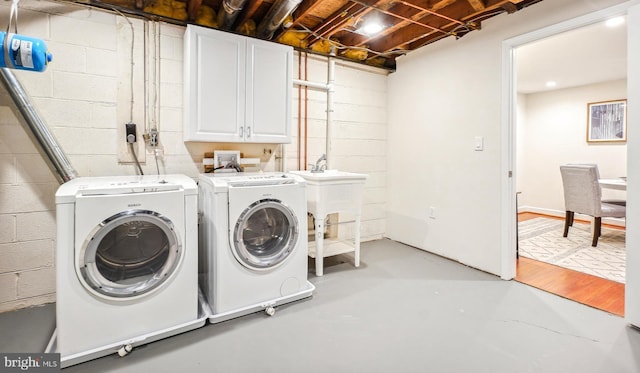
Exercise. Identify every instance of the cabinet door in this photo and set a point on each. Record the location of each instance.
(214, 80)
(269, 85)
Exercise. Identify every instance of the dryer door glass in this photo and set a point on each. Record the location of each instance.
(130, 254)
(265, 234)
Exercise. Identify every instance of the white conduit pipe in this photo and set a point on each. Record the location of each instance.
(330, 91)
(329, 87)
(305, 83)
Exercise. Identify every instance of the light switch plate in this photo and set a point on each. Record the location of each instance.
(432, 212)
(478, 144)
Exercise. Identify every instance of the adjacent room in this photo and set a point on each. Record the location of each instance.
(559, 80)
(283, 185)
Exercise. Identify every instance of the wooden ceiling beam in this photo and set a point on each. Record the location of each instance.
(409, 19)
(335, 22)
(405, 14)
(492, 7)
(425, 10)
(413, 36)
(341, 18)
(431, 5)
(305, 8)
(409, 24)
(192, 8)
(248, 11)
(477, 5)
(509, 6)
(299, 15)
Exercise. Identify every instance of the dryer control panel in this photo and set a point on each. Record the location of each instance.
(127, 187)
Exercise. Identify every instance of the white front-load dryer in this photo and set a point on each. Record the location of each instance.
(127, 263)
(253, 242)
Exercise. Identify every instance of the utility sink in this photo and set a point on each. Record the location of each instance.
(328, 192)
(333, 191)
(330, 175)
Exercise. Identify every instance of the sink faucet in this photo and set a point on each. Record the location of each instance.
(317, 167)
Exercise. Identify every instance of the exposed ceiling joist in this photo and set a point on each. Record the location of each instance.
(477, 5)
(321, 25)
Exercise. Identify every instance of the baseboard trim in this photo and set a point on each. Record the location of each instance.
(539, 210)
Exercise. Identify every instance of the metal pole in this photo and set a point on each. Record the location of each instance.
(44, 137)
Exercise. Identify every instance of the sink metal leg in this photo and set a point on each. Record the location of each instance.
(357, 242)
(319, 226)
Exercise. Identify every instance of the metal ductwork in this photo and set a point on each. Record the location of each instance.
(275, 17)
(232, 9)
(48, 144)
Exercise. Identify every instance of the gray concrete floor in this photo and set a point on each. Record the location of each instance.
(402, 310)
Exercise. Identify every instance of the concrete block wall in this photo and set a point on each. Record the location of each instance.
(27, 217)
(85, 98)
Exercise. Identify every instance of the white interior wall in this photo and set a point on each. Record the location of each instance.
(553, 130)
(84, 97)
(440, 98)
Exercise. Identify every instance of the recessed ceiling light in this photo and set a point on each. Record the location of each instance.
(613, 22)
(550, 84)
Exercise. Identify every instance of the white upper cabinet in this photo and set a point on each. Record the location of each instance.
(269, 81)
(236, 89)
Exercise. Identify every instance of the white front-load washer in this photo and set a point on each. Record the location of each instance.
(127, 263)
(253, 242)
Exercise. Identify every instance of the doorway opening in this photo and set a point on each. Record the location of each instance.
(553, 76)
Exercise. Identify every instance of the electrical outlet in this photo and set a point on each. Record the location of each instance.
(124, 147)
(131, 135)
(153, 137)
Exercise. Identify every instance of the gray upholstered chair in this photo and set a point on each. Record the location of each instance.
(582, 194)
(621, 202)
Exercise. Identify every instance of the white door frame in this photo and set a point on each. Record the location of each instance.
(508, 121)
(632, 288)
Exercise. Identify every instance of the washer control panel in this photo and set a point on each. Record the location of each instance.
(257, 180)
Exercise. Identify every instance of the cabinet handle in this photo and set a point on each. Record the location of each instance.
(248, 132)
(241, 131)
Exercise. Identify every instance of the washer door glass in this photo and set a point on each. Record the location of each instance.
(130, 254)
(265, 234)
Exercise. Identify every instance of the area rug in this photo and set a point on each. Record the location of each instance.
(541, 239)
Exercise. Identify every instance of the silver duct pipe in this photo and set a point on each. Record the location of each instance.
(43, 136)
(275, 17)
(231, 10)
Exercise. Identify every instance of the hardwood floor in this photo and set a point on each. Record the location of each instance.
(593, 291)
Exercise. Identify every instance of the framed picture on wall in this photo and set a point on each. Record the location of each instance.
(607, 121)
